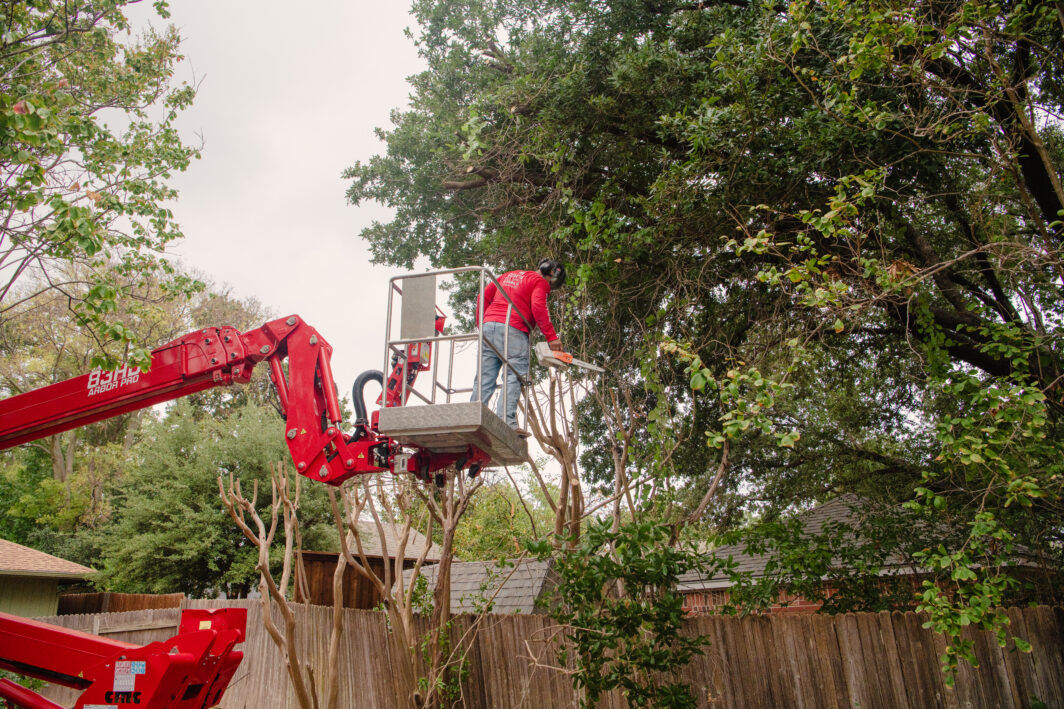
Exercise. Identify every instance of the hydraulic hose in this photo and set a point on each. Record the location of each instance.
(358, 399)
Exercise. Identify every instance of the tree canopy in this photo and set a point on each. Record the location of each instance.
(91, 494)
(823, 238)
(87, 142)
(168, 531)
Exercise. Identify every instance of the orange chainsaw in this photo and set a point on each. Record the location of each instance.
(558, 358)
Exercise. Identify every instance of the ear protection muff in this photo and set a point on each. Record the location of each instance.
(553, 271)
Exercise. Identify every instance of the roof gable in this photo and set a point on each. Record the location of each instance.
(511, 589)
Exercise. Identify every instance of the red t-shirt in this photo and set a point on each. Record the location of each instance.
(528, 290)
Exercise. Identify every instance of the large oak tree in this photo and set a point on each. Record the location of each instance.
(843, 222)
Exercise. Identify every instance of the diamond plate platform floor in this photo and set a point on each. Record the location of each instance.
(450, 428)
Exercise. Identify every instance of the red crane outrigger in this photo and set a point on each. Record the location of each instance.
(189, 671)
(193, 668)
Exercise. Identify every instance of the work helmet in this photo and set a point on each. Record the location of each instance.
(553, 271)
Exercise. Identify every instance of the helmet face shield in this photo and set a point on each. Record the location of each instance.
(553, 271)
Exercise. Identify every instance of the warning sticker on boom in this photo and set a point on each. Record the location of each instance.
(126, 672)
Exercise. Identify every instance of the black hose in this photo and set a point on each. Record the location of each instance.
(358, 399)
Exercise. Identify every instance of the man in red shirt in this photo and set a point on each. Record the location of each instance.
(525, 301)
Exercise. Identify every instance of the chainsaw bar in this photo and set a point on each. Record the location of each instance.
(553, 358)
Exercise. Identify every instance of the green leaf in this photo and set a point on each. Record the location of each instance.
(698, 381)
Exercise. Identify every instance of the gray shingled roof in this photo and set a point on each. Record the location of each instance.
(371, 541)
(510, 589)
(847, 510)
(844, 510)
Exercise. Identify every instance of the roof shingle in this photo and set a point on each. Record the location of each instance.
(844, 510)
(371, 541)
(17, 560)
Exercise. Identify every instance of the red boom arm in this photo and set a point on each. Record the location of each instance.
(219, 356)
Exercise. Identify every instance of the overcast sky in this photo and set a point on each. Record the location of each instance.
(289, 96)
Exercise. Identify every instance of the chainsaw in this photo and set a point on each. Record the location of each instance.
(558, 358)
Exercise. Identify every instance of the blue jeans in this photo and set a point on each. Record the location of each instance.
(515, 344)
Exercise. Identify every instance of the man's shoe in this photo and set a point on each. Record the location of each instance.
(522, 432)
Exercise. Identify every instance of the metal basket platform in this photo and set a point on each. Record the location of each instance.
(450, 428)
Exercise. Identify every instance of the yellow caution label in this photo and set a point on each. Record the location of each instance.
(205, 625)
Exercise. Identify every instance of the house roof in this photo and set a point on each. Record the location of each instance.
(510, 589)
(844, 510)
(847, 510)
(371, 541)
(17, 560)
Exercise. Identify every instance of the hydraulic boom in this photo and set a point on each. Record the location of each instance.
(219, 356)
(190, 670)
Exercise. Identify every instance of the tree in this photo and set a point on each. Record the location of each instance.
(867, 563)
(639, 274)
(168, 532)
(430, 657)
(616, 600)
(499, 520)
(44, 343)
(273, 589)
(838, 225)
(87, 142)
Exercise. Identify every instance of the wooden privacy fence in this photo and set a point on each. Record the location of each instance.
(864, 660)
(106, 602)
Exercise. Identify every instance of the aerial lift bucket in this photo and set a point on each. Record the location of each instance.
(446, 426)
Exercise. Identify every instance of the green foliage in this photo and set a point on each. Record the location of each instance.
(169, 532)
(76, 190)
(21, 476)
(59, 489)
(448, 681)
(420, 599)
(616, 599)
(978, 587)
(995, 438)
(745, 395)
(496, 523)
(862, 562)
